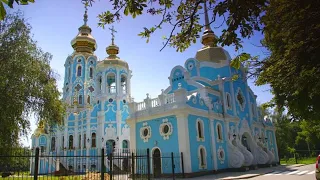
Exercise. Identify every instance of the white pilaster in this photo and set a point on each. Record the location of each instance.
(213, 142)
(183, 140)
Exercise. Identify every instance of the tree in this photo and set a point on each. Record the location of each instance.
(292, 35)
(10, 3)
(27, 82)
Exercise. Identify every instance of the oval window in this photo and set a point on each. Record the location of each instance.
(110, 100)
(145, 132)
(165, 129)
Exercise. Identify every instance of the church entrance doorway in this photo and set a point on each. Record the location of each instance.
(246, 141)
(156, 159)
(110, 144)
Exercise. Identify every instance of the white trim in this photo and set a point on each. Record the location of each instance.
(213, 142)
(200, 121)
(205, 166)
(221, 159)
(167, 135)
(184, 141)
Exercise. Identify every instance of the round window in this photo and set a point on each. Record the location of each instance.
(145, 132)
(124, 101)
(165, 129)
(110, 100)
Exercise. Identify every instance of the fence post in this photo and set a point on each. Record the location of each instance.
(102, 164)
(182, 165)
(148, 163)
(173, 166)
(296, 158)
(111, 165)
(132, 165)
(36, 164)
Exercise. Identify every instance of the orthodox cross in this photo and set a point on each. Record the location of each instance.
(112, 33)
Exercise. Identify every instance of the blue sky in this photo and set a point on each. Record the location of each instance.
(55, 24)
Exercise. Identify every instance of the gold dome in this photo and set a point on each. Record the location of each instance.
(84, 41)
(40, 130)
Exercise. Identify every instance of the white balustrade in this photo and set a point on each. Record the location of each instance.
(141, 106)
(170, 98)
(155, 102)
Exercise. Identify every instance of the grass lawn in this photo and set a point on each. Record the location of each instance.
(307, 160)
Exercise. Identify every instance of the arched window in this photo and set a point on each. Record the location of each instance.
(200, 130)
(93, 141)
(88, 99)
(84, 140)
(70, 142)
(79, 71)
(111, 81)
(124, 84)
(219, 131)
(79, 142)
(80, 99)
(228, 101)
(202, 156)
(53, 144)
(91, 72)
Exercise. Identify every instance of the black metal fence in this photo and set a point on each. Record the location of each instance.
(121, 164)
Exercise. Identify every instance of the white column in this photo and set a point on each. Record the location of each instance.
(76, 134)
(213, 142)
(132, 126)
(104, 84)
(183, 140)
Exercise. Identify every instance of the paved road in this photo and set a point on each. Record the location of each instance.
(290, 173)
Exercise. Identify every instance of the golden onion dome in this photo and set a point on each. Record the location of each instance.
(84, 41)
(40, 130)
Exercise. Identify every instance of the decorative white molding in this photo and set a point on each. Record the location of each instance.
(145, 132)
(166, 124)
(221, 154)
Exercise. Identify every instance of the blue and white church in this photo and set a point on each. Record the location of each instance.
(206, 114)
(96, 94)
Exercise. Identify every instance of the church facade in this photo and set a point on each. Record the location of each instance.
(206, 114)
(96, 94)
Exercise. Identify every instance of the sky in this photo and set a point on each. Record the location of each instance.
(55, 24)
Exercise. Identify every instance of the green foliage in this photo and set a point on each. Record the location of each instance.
(27, 82)
(10, 3)
(183, 16)
(292, 31)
